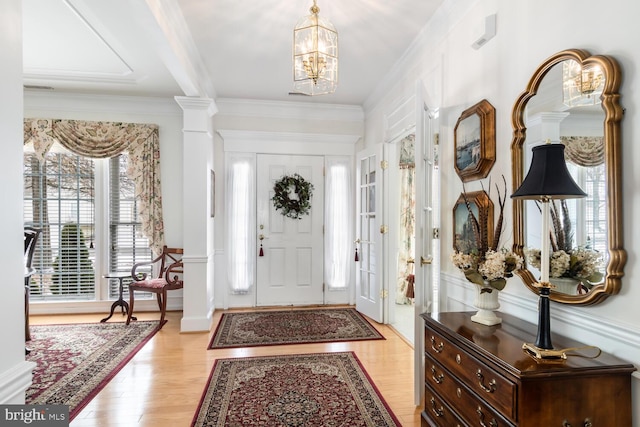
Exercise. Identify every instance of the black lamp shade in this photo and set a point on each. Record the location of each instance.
(548, 177)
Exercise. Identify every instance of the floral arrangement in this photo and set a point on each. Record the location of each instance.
(486, 265)
(292, 195)
(580, 263)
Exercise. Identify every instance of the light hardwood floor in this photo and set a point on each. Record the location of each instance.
(162, 385)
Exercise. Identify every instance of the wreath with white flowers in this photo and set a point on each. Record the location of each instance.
(292, 195)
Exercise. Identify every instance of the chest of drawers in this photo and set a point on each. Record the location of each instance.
(477, 375)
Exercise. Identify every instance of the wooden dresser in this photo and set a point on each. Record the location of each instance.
(477, 375)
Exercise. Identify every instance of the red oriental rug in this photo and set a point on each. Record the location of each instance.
(75, 361)
(322, 389)
(250, 329)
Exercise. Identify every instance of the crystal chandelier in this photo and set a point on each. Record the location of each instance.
(315, 55)
(581, 85)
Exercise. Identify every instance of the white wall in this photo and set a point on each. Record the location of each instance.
(457, 76)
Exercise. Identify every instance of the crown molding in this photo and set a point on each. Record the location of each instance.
(80, 102)
(289, 110)
(287, 142)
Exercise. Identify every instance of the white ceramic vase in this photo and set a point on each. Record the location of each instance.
(565, 285)
(486, 303)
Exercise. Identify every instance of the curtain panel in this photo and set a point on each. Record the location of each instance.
(102, 140)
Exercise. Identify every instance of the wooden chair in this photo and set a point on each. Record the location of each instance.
(30, 239)
(169, 277)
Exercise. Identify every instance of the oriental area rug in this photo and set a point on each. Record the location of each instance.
(75, 361)
(321, 389)
(250, 329)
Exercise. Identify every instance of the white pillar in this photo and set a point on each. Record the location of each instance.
(198, 298)
(15, 372)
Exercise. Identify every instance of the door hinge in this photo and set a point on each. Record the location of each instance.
(436, 233)
(436, 139)
(384, 164)
(384, 294)
(384, 229)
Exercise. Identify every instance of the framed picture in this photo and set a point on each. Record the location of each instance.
(213, 193)
(475, 141)
(464, 238)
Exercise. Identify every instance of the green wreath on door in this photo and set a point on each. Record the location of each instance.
(292, 196)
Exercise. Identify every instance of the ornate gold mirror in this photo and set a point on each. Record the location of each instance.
(573, 99)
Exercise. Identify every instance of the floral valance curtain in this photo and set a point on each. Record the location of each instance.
(108, 139)
(584, 150)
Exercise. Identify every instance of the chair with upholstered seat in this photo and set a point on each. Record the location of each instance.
(168, 266)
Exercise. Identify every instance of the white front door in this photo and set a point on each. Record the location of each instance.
(370, 232)
(427, 218)
(290, 264)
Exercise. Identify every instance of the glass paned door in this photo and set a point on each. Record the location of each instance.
(369, 241)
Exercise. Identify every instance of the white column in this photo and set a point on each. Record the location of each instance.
(198, 298)
(15, 372)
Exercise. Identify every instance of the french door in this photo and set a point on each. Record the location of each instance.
(370, 231)
(427, 234)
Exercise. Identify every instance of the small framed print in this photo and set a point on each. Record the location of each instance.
(464, 239)
(475, 141)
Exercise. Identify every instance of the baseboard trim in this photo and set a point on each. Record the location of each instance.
(14, 383)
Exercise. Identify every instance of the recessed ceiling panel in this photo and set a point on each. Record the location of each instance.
(58, 40)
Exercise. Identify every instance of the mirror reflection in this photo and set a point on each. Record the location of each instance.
(572, 100)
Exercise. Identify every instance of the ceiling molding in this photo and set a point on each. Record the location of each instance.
(289, 110)
(287, 142)
(172, 38)
(38, 100)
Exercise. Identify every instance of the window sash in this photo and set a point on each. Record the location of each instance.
(241, 217)
(127, 245)
(338, 223)
(59, 199)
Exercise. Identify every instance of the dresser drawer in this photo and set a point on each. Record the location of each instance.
(438, 412)
(462, 401)
(495, 389)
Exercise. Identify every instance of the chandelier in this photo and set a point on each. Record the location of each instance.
(581, 85)
(315, 55)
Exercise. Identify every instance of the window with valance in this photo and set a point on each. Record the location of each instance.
(64, 161)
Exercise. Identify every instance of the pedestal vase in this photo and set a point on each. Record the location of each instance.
(486, 302)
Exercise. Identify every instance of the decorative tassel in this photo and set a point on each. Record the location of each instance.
(261, 251)
(357, 258)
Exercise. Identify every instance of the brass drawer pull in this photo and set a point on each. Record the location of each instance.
(437, 378)
(492, 384)
(438, 412)
(492, 423)
(436, 347)
(587, 423)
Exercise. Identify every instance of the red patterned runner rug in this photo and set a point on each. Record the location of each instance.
(321, 389)
(249, 329)
(75, 361)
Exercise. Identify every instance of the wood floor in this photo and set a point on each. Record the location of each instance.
(162, 385)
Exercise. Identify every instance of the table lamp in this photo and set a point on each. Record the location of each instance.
(548, 179)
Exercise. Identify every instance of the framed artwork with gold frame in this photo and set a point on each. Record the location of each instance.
(475, 141)
(464, 239)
